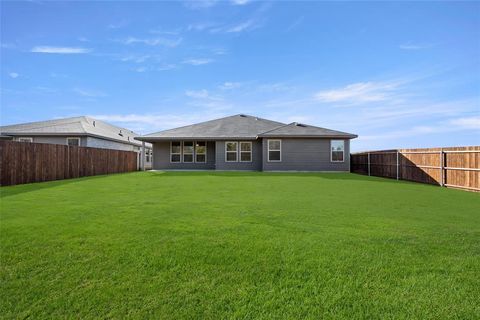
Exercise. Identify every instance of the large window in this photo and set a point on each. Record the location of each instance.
(188, 151)
(73, 142)
(274, 150)
(246, 151)
(231, 149)
(201, 151)
(175, 151)
(337, 150)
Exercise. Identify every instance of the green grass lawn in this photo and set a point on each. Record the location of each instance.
(185, 245)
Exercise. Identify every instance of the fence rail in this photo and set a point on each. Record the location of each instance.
(25, 162)
(456, 167)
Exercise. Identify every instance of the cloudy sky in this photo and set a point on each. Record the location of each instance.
(397, 74)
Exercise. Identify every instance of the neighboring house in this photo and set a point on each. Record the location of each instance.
(77, 131)
(243, 142)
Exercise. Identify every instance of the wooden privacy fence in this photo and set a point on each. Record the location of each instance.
(25, 162)
(456, 167)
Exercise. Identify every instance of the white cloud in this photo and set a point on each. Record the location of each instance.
(467, 122)
(165, 42)
(140, 69)
(295, 23)
(240, 2)
(198, 94)
(89, 93)
(167, 66)
(13, 75)
(60, 50)
(230, 85)
(199, 4)
(411, 46)
(358, 92)
(197, 62)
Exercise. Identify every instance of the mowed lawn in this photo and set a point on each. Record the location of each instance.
(205, 245)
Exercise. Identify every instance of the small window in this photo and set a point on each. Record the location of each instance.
(200, 151)
(188, 151)
(25, 139)
(175, 151)
(274, 150)
(75, 142)
(337, 150)
(246, 151)
(231, 149)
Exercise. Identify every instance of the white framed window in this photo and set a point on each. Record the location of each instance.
(337, 148)
(246, 151)
(274, 150)
(25, 139)
(175, 151)
(201, 151)
(231, 151)
(73, 142)
(188, 151)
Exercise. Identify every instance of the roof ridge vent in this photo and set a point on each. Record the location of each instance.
(297, 124)
(243, 115)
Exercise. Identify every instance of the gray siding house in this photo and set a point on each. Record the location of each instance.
(243, 142)
(78, 131)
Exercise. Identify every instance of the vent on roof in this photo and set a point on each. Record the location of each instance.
(243, 115)
(94, 123)
(300, 125)
(120, 133)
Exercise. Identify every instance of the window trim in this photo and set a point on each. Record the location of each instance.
(331, 152)
(171, 142)
(268, 150)
(74, 138)
(236, 151)
(30, 139)
(240, 151)
(195, 152)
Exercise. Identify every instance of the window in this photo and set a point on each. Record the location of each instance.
(188, 151)
(231, 151)
(73, 142)
(200, 151)
(25, 139)
(274, 150)
(337, 150)
(246, 151)
(175, 151)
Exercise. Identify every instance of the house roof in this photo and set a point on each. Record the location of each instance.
(75, 126)
(242, 126)
(239, 126)
(300, 130)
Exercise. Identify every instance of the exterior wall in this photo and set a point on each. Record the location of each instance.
(161, 158)
(256, 163)
(107, 144)
(306, 155)
(54, 139)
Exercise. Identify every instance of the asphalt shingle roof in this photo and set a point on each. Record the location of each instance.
(242, 126)
(80, 126)
(239, 126)
(305, 131)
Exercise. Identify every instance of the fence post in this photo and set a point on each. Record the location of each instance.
(397, 164)
(442, 168)
(369, 163)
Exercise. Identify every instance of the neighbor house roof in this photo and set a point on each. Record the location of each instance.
(300, 130)
(76, 126)
(242, 126)
(239, 126)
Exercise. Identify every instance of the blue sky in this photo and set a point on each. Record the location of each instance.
(398, 74)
